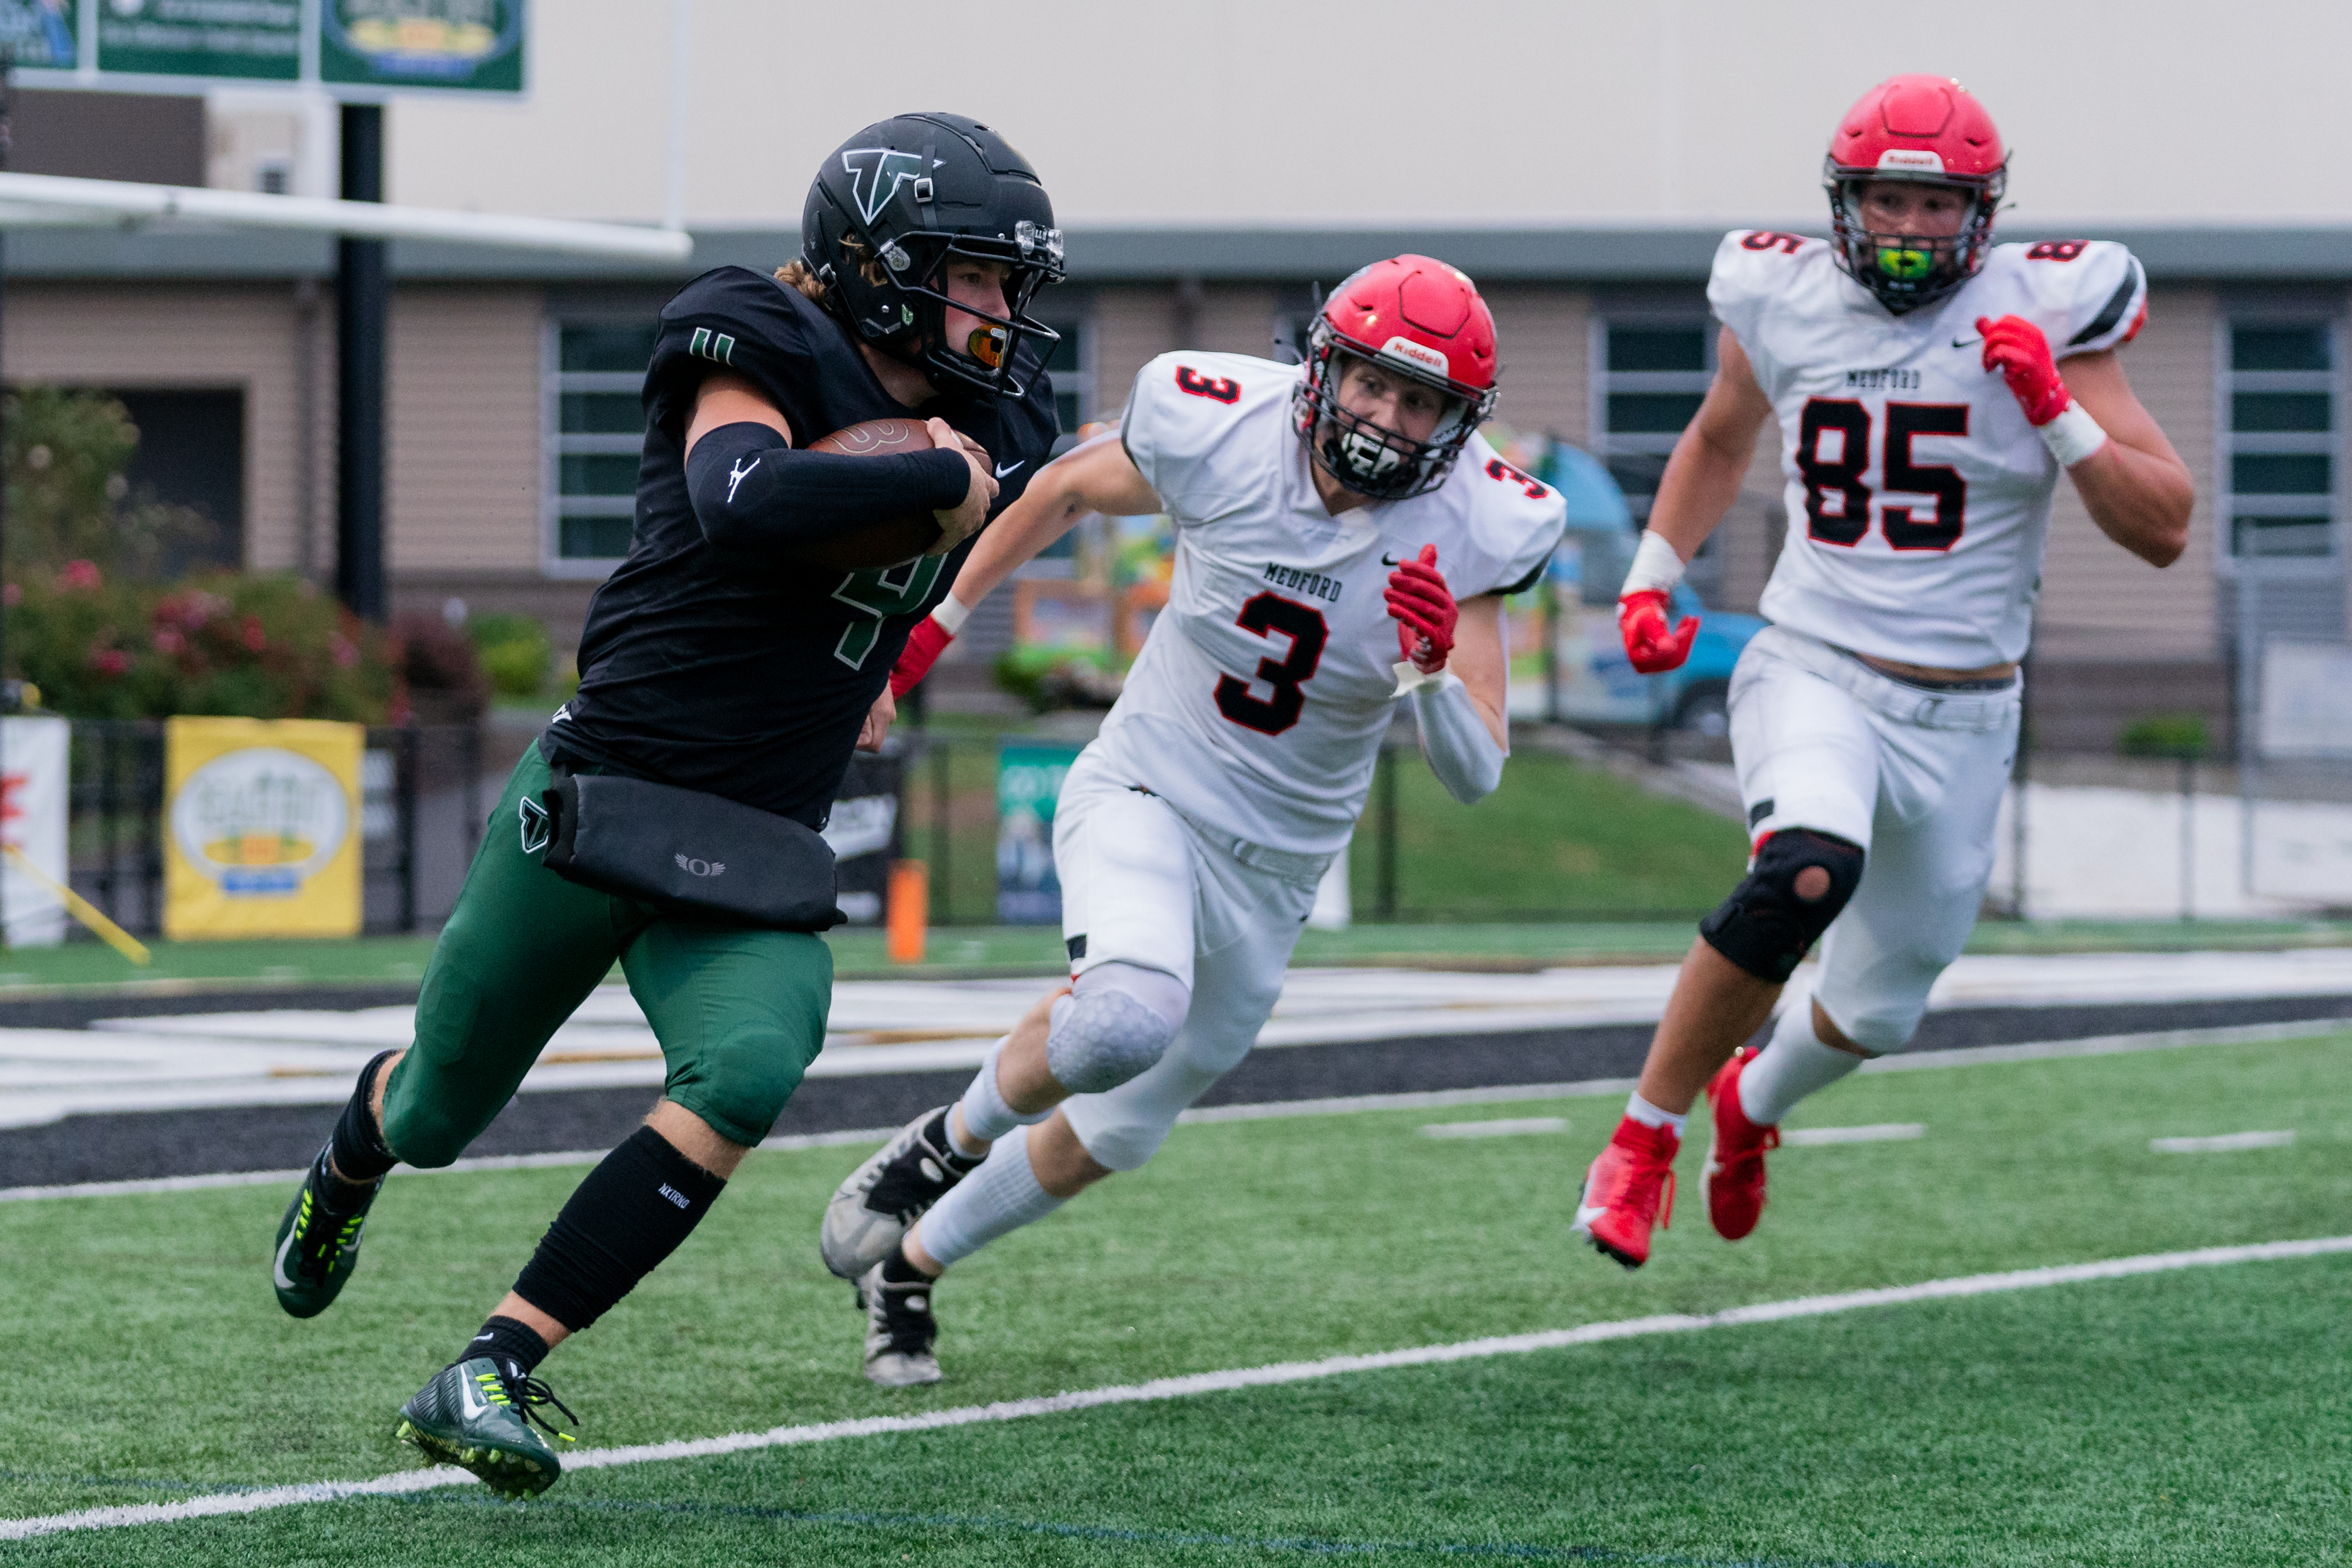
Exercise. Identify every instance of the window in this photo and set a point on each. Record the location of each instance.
(1651, 373)
(2278, 440)
(1072, 366)
(596, 433)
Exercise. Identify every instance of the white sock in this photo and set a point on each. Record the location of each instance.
(1002, 1195)
(1649, 1115)
(1795, 1064)
(986, 1116)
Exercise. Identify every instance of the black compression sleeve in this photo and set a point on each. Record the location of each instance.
(754, 493)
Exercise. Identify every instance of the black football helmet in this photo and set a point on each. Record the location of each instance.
(895, 202)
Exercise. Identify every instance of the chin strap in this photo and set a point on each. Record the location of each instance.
(1455, 738)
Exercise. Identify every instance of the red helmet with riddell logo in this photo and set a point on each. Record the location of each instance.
(1415, 318)
(1926, 130)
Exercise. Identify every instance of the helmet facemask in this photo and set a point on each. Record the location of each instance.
(912, 292)
(1370, 458)
(1906, 271)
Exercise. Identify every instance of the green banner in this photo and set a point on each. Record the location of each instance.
(40, 34)
(241, 40)
(464, 45)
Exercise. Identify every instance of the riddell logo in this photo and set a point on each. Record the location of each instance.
(1421, 354)
(1897, 158)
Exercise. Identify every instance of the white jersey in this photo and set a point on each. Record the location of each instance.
(1918, 496)
(1259, 700)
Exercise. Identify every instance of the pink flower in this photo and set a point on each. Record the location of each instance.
(169, 640)
(113, 662)
(80, 575)
(255, 638)
(11, 595)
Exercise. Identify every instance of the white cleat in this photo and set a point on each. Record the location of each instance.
(871, 1212)
(900, 1331)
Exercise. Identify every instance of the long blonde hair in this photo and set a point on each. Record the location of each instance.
(798, 274)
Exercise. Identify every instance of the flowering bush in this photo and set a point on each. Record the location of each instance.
(264, 646)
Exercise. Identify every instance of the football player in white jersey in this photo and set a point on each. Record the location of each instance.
(1914, 367)
(1328, 516)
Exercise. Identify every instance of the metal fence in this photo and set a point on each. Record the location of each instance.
(421, 807)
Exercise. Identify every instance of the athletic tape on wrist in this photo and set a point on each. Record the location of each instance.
(1656, 564)
(2071, 436)
(950, 614)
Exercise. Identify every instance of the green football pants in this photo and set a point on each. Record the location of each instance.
(739, 1012)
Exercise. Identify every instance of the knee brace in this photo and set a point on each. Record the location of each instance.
(1769, 923)
(1117, 1023)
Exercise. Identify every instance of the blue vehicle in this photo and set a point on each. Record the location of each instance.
(1586, 679)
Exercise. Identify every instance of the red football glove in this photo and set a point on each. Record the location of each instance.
(2016, 348)
(1424, 611)
(1653, 647)
(924, 645)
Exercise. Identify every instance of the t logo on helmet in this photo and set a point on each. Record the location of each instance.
(875, 174)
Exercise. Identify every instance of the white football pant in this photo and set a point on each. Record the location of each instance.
(1142, 885)
(1913, 775)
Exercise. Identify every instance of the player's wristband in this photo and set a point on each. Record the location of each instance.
(1657, 565)
(950, 614)
(2071, 436)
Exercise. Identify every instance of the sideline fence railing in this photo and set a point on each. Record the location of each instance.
(421, 807)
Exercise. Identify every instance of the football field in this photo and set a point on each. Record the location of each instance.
(2167, 1410)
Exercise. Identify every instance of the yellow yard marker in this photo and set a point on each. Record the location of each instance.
(83, 910)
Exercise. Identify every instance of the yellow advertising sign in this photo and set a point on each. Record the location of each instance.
(262, 832)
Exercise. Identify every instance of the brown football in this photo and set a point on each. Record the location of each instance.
(892, 540)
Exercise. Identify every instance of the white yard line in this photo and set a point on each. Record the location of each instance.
(486, 1163)
(1509, 1127)
(217, 1504)
(2224, 1143)
(1882, 1133)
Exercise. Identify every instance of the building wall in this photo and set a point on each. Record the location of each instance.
(465, 441)
(164, 335)
(1234, 110)
(2100, 602)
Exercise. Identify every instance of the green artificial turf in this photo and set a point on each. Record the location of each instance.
(2188, 1417)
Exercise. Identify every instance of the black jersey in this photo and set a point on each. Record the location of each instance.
(744, 678)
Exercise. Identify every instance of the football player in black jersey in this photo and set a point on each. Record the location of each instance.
(719, 658)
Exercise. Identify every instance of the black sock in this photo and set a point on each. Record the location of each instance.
(632, 1212)
(935, 1133)
(356, 1147)
(516, 1346)
(896, 1271)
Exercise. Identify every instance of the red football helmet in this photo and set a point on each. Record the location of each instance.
(1414, 318)
(1930, 129)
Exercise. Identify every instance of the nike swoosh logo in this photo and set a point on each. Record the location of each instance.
(1966, 343)
(277, 1268)
(1584, 1218)
(1003, 469)
(472, 1399)
(1391, 560)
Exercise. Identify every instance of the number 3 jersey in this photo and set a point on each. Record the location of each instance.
(1918, 496)
(1259, 700)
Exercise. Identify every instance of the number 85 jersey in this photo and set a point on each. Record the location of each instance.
(1259, 701)
(1918, 496)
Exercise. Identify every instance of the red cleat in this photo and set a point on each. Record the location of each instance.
(1733, 1180)
(1626, 1189)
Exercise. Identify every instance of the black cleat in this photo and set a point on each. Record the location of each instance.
(318, 1245)
(900, 1329)
(473, 1415)
(873, 1210)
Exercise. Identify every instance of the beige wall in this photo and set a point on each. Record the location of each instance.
(464, 421)
(1537, 110)
(154, 335)
(465, 440)
(2099, 601)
